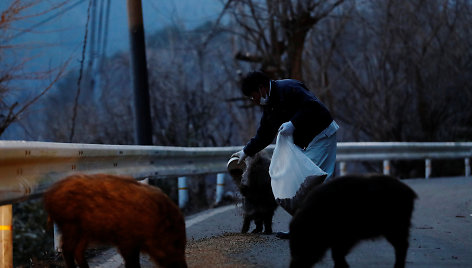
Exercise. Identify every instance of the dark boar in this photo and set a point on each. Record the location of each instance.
(346, 210)
(120, 211)
(258, 200)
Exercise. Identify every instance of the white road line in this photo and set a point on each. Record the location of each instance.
(207, 214)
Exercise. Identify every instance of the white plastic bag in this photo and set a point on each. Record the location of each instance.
(289, 168)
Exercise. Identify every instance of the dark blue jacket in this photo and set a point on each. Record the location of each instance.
(290, 100)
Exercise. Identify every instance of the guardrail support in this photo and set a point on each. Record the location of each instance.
(342, 168)
(467, 167)
(427, 172)
(386, 167)
(220, 186)
(57, 239)
(183, 192)
(6, 237)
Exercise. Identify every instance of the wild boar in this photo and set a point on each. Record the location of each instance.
(119, 211)
(346, 210)
(258, 201)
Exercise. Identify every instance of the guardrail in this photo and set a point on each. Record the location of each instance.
(27, 169)
(386, 151)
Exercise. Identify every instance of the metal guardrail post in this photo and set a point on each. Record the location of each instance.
(467, 167)
(6, 237)
(57, 239)
(427, 172)
(342, 168)
(386, 167)
(220, 186)
(183, 191)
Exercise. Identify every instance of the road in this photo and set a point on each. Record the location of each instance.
(441, 235)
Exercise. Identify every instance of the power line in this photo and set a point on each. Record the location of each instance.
(76, 100)
(105, 35)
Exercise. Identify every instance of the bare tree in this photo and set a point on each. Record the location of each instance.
(103, 117)
(402, 72)
(274, 32)
(12, 107)
(188, 111)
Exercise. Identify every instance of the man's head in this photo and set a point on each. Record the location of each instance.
(255, 85)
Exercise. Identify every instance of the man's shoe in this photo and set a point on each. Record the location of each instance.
(282, 235)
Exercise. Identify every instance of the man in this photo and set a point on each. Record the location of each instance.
(291, 109)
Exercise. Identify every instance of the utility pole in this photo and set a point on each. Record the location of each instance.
(139, 73)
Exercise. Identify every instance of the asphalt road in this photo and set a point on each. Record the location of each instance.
(441, 235)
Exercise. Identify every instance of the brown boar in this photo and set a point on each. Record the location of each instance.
(258, 200)
(120, 211)
(344, 211)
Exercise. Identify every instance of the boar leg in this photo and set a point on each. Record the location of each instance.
(131, 257)
(399, 242)
(268, 224)
(246, 224)
(79, 253)
(70, 240)
(259, 226)
(339, 252)
(304, 261)
(68, 253)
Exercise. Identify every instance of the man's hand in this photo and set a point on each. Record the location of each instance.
(287, 128)
(241, 155)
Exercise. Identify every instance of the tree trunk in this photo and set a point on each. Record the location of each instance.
(294, 56)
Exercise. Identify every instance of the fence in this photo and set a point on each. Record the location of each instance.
(28, 168)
